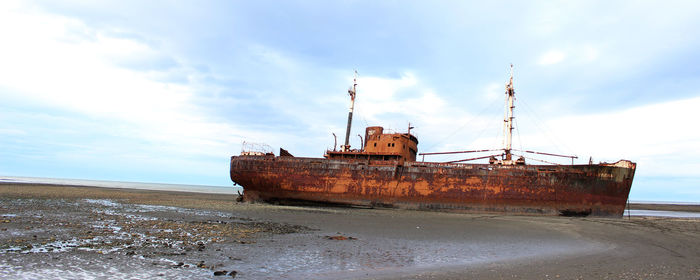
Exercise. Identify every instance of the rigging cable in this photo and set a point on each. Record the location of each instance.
(544, 161)
(517, 129)
(545, 129)
(462, 126)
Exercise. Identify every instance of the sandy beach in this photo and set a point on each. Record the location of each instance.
(66, 232)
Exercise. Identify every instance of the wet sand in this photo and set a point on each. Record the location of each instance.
(84, 232)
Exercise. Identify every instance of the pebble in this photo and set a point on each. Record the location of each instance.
(340, 237)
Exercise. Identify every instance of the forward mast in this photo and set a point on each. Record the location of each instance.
(351, 91)
(508, 124)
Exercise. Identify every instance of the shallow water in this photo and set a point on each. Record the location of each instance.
(658, 213)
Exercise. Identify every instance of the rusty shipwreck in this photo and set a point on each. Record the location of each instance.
(384, 172)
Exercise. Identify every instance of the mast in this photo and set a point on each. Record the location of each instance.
(510, 98)
(351, 92)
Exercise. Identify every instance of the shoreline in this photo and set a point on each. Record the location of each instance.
(150, 233)
(133, 195)
(120, 184)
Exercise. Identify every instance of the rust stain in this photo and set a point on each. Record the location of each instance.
(539, 189)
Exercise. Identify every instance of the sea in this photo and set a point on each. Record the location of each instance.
(238, 189)
(657, 213)
(124, 185)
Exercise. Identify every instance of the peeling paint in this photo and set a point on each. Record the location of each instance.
(600, 190)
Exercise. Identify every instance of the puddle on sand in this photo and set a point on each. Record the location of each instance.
(286, 258)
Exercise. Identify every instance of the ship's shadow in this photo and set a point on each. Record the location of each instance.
(298, 202)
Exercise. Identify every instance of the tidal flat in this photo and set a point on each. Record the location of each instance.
(70, 232)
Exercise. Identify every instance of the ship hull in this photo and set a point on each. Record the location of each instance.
(598, 190)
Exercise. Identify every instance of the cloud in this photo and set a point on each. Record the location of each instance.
(377, 95)
(394, 102)
(579, 54)
(656, 136)
(552, 57)
(589, 53)
(46, 63)
(493, 91)
(439, 125)
(94, 89)
(116, 80)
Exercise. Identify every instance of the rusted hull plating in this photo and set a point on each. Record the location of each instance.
(599, 190)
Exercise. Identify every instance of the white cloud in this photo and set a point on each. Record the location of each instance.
(376, 89)
(656, 136)
(61, 63)
(493, 91)
(552, 57)
(580, 54)
(404, 96)
(589, 53)
(78, 74)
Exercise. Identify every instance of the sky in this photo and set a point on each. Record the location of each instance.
(167, 91)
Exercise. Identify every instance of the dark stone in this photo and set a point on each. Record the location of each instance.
(220, 273)
(233, 274)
